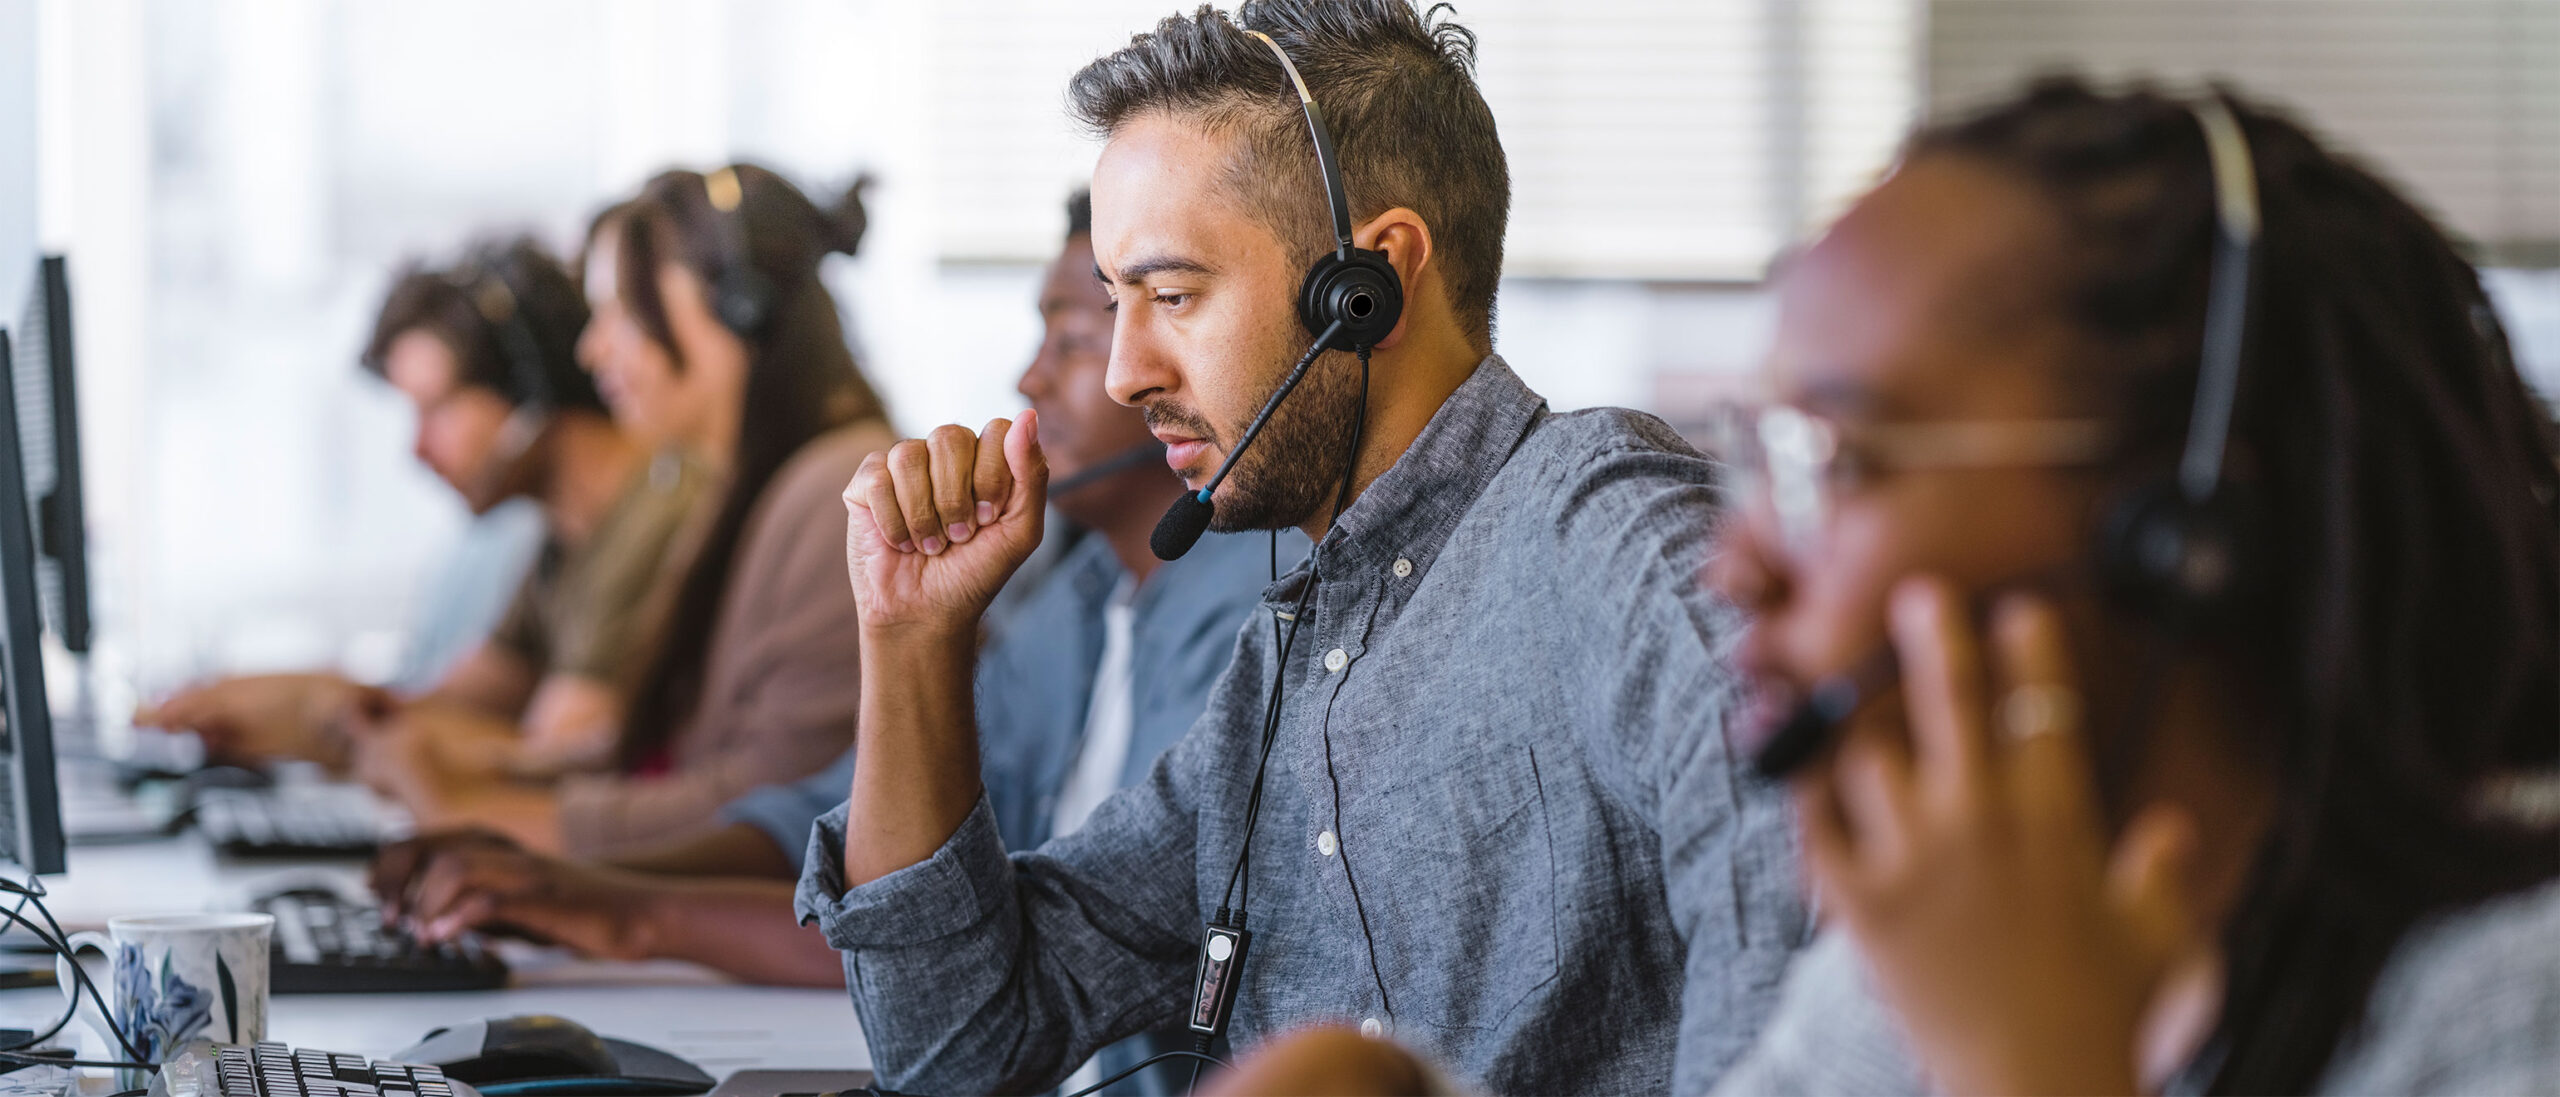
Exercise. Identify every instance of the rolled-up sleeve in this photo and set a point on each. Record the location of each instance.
(960, 887)
(980, 971)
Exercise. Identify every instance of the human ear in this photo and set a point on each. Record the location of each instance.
(1406, 240)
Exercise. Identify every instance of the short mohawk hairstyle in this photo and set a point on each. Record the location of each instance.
(1398, 90)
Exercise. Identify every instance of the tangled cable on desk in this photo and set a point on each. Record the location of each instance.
(31, 893)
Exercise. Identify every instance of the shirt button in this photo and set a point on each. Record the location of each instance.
(1326, 843)
(1336, 659)
(1370, 1028)
(1403, 568)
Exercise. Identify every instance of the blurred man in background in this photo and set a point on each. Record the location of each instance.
(484, 352)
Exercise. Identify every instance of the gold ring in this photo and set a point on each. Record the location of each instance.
(2033, 710)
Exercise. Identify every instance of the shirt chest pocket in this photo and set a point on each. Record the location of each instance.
(1465, 890)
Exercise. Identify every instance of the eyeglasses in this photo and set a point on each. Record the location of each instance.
(1797, 462)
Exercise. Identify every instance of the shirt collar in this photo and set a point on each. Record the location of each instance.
(1410, 510)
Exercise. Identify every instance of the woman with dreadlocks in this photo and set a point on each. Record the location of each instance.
(2204, 769)
(2134, 752)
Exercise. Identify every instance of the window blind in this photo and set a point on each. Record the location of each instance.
(1672, 139)
(2459, 100)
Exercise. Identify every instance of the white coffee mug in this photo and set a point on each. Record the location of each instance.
(173, 978)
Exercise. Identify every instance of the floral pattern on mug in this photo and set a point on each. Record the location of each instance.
(158, 1010)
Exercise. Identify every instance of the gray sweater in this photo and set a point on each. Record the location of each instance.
(2468, 1004)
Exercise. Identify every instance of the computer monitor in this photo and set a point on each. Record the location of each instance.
(31, 820)
(48, 421)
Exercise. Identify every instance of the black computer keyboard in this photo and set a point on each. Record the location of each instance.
(271, 1069)
(290, 821)
(326, 943)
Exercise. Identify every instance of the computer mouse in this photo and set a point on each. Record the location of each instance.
(508, 1049)
(538, 1054)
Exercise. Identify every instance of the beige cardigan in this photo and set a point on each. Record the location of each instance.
(781, 692)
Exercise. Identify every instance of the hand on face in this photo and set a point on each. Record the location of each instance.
(2020, 945)
(443, 885)
(937, 525)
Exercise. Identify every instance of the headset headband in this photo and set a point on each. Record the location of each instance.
(726, 193)
(723, 189)
(741, 296)
(1333, 193)
(483, 281)
(2226, 315)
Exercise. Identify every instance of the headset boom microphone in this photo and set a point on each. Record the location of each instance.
(1188, 517)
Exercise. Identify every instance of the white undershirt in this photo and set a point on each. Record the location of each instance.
(1108, 724)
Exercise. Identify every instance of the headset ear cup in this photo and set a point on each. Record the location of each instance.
(1361, 290)
(2185, 564)
(744, 302)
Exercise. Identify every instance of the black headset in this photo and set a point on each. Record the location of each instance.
(482, 280)
(740, 294)
(2179, 549)
(1350, 300)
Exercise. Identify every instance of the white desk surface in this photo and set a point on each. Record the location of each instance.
(720, 1025)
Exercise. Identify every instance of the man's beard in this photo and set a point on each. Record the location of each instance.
(1294, 467)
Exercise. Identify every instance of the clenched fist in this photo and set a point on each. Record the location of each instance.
(936, 526)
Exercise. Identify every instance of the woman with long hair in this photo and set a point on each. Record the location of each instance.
(712, 335)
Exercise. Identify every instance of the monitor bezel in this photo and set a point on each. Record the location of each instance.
(62, 534)
(36, 800)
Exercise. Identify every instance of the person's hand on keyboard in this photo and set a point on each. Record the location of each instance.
(266, 716)
(443, 885)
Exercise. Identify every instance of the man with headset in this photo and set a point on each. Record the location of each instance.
(483, 351)
(1470, 750)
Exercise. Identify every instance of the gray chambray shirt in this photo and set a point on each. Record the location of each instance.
(1502, 739)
